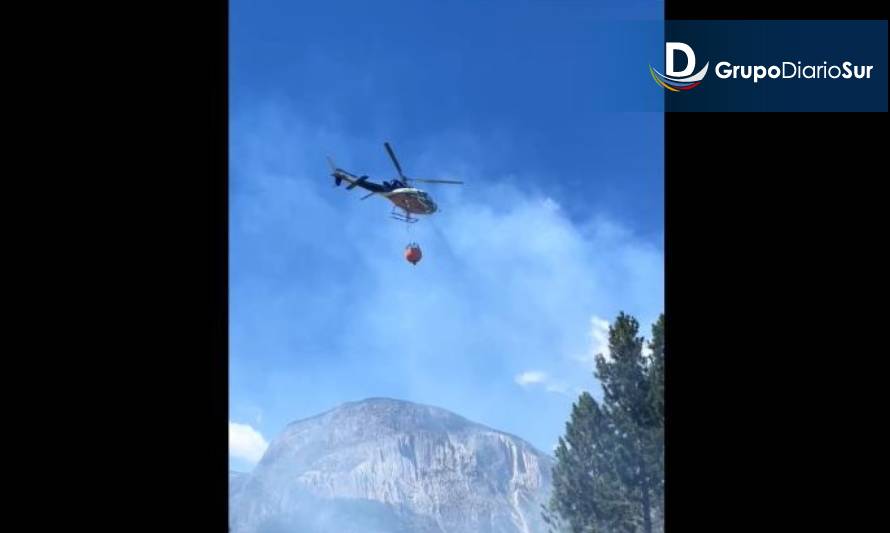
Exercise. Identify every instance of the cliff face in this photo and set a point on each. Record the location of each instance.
(384, 465)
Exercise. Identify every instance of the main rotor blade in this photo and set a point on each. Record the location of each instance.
(394, 160)
(437, 181)
(365, 197)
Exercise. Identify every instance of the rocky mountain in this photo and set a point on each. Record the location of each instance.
(390, 466)
(236, 480)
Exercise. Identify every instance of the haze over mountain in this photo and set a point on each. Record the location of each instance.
(386, 466)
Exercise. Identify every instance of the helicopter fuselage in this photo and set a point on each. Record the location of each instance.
(412, 200)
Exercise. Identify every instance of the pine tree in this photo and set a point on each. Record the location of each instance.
(656, 372)
(609, 472)
(656, 392)
(584, 467)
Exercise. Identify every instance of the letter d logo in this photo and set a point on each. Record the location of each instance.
(678, 81)
(669, 51)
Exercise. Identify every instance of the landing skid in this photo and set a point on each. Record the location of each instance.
(406, 217)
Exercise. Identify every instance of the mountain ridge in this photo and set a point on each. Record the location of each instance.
(375, 399)
(387, 465)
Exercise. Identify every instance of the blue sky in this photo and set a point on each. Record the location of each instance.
(544, 109)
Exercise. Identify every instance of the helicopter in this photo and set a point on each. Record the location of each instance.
(407, 199)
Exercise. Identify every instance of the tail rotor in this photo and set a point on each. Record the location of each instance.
(335, 172)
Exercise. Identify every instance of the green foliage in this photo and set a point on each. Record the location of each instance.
(656, 385)
(609, 475)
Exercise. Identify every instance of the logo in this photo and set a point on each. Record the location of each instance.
(678, 81)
